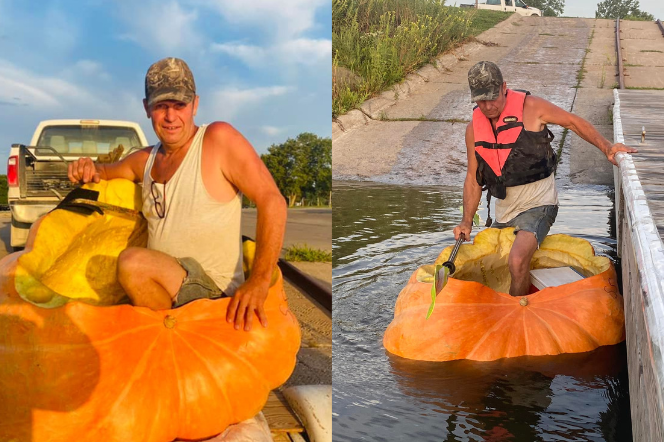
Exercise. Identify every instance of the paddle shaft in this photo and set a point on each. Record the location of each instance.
(450, 262)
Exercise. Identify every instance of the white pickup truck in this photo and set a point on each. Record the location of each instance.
(37, 173)
(517, 6)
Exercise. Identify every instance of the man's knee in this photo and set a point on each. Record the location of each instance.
(522, 252)
(129, 261)
(518, 263)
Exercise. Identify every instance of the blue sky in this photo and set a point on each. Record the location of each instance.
(262, 65)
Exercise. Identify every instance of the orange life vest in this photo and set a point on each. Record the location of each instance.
(510, 156)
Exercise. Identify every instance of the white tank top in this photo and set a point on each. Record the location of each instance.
(195, 224)
(525, 197)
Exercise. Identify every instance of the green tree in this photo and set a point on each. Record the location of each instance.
(301, 167)
(549, 8)
(624, 9)
(3, 190)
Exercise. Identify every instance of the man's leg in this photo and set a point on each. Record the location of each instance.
(150, 278)
(522, 252)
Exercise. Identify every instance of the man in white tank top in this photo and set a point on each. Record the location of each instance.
(531, 207)
(193, 181)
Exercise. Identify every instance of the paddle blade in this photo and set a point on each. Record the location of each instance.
(438, 285)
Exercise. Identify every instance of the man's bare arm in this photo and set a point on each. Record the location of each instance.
(550, 113)
(472, 192)
(244, 169)
(84, 170)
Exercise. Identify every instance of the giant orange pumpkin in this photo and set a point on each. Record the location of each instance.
(119, 373)
(475, 319)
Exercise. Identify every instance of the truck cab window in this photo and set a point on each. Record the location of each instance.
(493, 2)
(520, 4)
(508, 3)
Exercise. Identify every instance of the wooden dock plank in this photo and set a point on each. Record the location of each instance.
(639, 109)
(279, 415)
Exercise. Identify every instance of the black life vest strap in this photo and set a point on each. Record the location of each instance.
(508, 126)
(487, 145)
(489, 221)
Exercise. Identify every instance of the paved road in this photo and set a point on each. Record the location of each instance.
(310, 226)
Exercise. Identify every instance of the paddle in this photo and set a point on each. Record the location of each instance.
(448, 269)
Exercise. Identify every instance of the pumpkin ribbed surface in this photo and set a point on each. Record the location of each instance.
(122, 373)
(474, 321)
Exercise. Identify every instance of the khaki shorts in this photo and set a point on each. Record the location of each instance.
(197, 284)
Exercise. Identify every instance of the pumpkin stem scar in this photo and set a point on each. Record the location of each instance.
(522, 301)
(170, 321)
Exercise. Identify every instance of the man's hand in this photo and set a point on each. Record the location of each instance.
(464, 228)
(83, 170)
(618, 147)
(248, 299)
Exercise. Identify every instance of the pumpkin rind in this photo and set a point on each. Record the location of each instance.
(122, 373)
(473, 321)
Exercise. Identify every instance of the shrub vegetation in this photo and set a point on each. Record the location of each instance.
(381, 41)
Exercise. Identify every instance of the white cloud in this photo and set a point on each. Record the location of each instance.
(272, 131)
(227, 102)
(89, 68)
(164, 28)
(287, 18)
(26, 88)
(307, 51)
(303, 51)
(249, 54)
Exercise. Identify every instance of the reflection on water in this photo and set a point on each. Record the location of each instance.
(381, 234)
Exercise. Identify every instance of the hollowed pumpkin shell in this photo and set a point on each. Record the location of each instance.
(122, 373)
(474, 321)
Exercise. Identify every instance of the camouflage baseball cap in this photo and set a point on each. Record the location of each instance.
(485, 80)
(169, 79)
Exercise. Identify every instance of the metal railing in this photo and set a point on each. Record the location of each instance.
(621, 75)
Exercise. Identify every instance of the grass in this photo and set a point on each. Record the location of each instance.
(582, 70)
(645, 88)
(382, 41)
(651, 50)
(544, 33)
(307, 254)
(383, 117)
(560, 145)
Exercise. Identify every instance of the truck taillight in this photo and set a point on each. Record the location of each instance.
(12, 171)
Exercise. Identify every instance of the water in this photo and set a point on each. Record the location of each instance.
(382, 233)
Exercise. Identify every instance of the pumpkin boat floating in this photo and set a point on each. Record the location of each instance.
(98, 371)
(475, 318)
